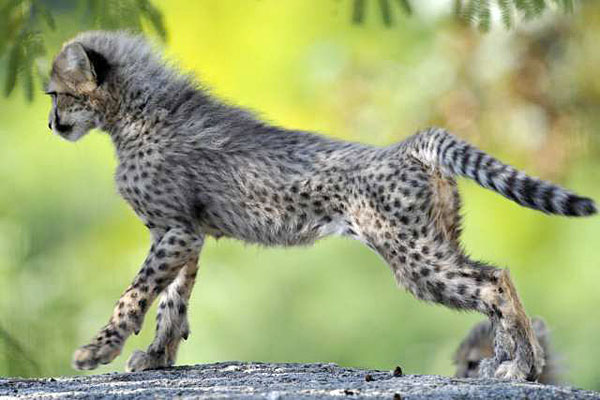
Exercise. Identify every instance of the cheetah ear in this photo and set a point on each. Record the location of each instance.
(75, 68)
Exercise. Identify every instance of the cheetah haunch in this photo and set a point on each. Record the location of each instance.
(191, 166)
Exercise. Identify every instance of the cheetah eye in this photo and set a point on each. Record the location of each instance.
(54, 94)
(71, 96)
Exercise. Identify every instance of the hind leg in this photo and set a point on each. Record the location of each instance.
(517, 352)
(478, 345)
(460, 283)
(415, 229)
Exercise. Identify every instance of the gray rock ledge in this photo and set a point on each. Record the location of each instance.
(238, 380)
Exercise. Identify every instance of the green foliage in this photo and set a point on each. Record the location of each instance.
(477, 12)
(23, 24)
(22, 362)
(359, 10)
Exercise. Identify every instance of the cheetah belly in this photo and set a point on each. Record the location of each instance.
(274, 229)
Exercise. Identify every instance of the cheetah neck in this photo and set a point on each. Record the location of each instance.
(139, 117)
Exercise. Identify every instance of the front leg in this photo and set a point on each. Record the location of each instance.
(169, 253)
(171, 323)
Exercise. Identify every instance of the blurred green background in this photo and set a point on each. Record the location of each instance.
(531, 96)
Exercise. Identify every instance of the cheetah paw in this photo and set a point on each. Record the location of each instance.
(89, 356)
(141, 361)
(510, 370)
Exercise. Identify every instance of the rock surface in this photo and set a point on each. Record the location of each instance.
(236, 380)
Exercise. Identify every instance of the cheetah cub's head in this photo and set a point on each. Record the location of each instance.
(76, 75)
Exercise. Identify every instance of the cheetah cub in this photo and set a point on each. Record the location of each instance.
(479, 345)
(191, 166)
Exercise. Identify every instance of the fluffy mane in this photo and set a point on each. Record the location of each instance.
(147, 85)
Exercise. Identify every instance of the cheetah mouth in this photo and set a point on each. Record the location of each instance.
(63, 128)
(70, 135)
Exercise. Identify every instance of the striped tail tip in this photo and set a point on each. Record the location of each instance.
(577, 206)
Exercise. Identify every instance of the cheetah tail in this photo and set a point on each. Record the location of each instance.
(439, 148)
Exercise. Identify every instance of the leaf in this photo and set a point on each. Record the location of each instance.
(32, 48)
(476, 12)
(11, 22)
(358, 13)
(566, 5)
(92, 12)
(458, 8)
(27, 76)
(47, 15)
(484, 17)
(537, 7)
(405, 5)
(14, 58)
(386, 13)
(154, 16)
(9, 5)
(41, 72)
(506, 12)
(471, 12)
(479, 11)
(14, 346)
(525, 7)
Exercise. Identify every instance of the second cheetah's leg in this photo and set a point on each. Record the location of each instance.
(171, 323)
(169, 253)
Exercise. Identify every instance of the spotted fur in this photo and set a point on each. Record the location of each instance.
(191, 166)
